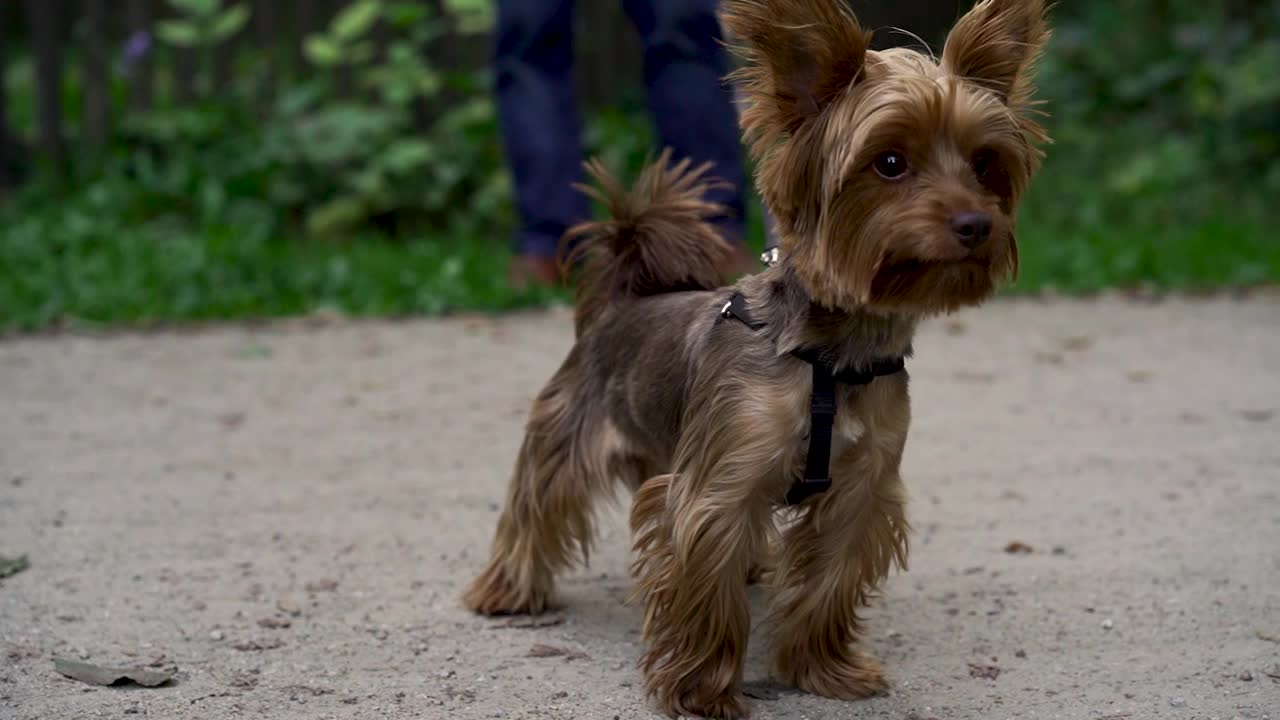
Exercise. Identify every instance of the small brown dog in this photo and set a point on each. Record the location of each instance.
(894, 178)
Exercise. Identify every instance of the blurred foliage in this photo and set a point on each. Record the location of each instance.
(1169, 94)
(1166, 125)
(320, 162)
(373, 181)
(202, 23)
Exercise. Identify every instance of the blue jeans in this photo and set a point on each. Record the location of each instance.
(684, 66)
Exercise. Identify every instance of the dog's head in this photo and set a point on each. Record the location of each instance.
(894, 176)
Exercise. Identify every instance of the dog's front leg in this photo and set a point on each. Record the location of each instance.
(697, 533)
(833, 557)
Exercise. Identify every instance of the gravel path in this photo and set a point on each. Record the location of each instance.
(288, 513)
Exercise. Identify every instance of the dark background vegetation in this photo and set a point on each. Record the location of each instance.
(195, 159)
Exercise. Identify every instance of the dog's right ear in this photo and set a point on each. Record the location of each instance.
(800, 55)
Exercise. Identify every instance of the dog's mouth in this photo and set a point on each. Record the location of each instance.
(932, 283)
(918, 264)
(916, 268)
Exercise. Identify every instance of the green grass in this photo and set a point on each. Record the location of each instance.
(60, 270)
(77, 262)
(1213, 253)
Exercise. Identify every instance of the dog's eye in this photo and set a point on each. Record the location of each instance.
(890, 165)
(982, 162)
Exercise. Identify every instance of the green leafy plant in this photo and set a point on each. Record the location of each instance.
(1193, 104)
(202, 23)
(371, 160)
(356, 161)
(414, 146)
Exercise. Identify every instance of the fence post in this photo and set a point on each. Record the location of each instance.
(184, 75)
(186, 62)
(304, 23)
(264, 21)
(5, 180)
(224, 58)
(96, 122)
(139, 54)
(47, 37)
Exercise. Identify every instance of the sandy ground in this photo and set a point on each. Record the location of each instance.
(180, 493)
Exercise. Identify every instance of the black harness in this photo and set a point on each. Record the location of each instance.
(822, 403)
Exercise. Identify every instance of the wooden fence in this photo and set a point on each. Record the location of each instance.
(99, 33)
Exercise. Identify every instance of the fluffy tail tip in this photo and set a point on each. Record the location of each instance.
(658, 237)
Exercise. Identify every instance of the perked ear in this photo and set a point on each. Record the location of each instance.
(800, 55)
(996, 45)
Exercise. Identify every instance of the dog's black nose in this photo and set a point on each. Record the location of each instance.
(971, 228)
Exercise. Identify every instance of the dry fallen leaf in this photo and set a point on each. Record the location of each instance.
(298, 690)
(287, 605)
(13, 565)
(256, 645)
(1018, 547)
(987, 672)
(1077, 342)
(106, 676)
(544, 651)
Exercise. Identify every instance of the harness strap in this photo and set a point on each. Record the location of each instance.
(822, 401)
(736, 309)
(822, 416)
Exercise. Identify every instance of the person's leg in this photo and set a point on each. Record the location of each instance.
(540, 126)
(684, 68)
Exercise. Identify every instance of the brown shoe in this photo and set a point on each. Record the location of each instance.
(526, 270)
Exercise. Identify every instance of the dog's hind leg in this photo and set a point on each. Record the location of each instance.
(547, 520)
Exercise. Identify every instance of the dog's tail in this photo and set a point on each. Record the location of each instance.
(658, 237)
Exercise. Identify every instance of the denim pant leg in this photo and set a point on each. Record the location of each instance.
(538, 115)
(684, 67)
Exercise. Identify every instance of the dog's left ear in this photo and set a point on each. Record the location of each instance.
(996, 44)
(800, 56)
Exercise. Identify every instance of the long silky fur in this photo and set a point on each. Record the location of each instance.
(656, 239)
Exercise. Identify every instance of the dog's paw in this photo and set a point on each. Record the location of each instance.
(493, 593)
(729, 705)
(853, 677)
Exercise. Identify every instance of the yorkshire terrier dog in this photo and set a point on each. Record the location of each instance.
(893, 178)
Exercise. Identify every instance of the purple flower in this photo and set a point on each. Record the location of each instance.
(136, 48)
